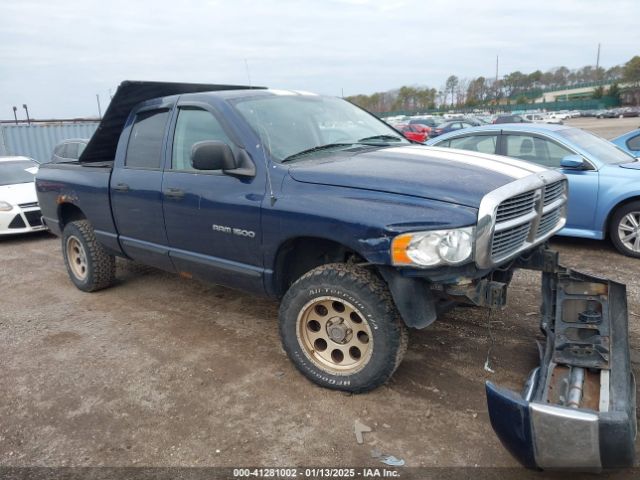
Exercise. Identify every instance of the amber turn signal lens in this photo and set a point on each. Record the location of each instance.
(399, 247)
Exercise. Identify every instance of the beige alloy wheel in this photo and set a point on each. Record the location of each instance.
(334, 335)
(77, 258)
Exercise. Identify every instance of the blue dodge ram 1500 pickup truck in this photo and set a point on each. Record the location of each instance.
(360, 233)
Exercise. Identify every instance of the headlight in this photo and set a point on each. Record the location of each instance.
(5, 206)
(438, 247)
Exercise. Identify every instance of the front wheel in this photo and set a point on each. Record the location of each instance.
(625, 229)
(341, 329)
(89, 266)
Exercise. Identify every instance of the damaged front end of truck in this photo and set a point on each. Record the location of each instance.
(577, 409)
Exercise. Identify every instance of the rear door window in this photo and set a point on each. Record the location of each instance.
(145, 143)
(476, 143)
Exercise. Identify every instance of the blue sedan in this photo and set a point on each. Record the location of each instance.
(629, 142)
(604, 181)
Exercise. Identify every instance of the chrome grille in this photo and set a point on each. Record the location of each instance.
(548, 221)
(508, 241)
(526, 219)
(28, 205)
(515, 218)
(553, 191)
(515, 207)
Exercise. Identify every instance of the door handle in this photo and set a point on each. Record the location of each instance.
(121, 187)
(174, 193)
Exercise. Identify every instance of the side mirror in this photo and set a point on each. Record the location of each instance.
(212, 155)
(575, 162)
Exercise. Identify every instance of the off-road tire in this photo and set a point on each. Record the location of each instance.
(616, 219)
(100, 266)
(369, 294)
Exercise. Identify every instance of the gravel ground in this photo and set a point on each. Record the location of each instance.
(163, 371)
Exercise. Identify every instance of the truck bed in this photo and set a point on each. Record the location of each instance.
(87, 185)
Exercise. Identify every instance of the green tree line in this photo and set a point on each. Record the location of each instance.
(517, 86)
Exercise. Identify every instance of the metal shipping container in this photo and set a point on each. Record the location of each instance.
(37, 140)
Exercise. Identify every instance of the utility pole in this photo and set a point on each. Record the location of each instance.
(24, 105)
(495, 85)
(99, 109)
(15, 115)
(598, 62)
(246, 65)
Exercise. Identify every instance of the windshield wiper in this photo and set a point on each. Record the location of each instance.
(392, 138)
(316, 149)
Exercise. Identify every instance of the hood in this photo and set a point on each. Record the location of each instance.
(455, 176)
(19, 193)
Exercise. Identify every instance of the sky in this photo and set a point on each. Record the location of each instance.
(56, 56)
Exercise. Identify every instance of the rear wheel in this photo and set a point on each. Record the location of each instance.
(341, 329)
(625, 229)
(89, 266)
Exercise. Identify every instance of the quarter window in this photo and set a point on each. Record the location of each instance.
(192, 126)
(634, 143)
(145, 144)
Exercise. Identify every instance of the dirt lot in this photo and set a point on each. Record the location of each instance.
(606, 127)
(161, 371)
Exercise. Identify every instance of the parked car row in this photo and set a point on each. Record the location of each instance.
(520, 117)
(421, 129)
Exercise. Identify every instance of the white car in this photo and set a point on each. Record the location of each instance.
(542, 118)
(559, 115)
(19, 210)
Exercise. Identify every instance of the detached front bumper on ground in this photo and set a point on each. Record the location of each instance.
(578, 409)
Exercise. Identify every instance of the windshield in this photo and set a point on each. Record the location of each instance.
(600, 148)
(20, 171)
(289, 125)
